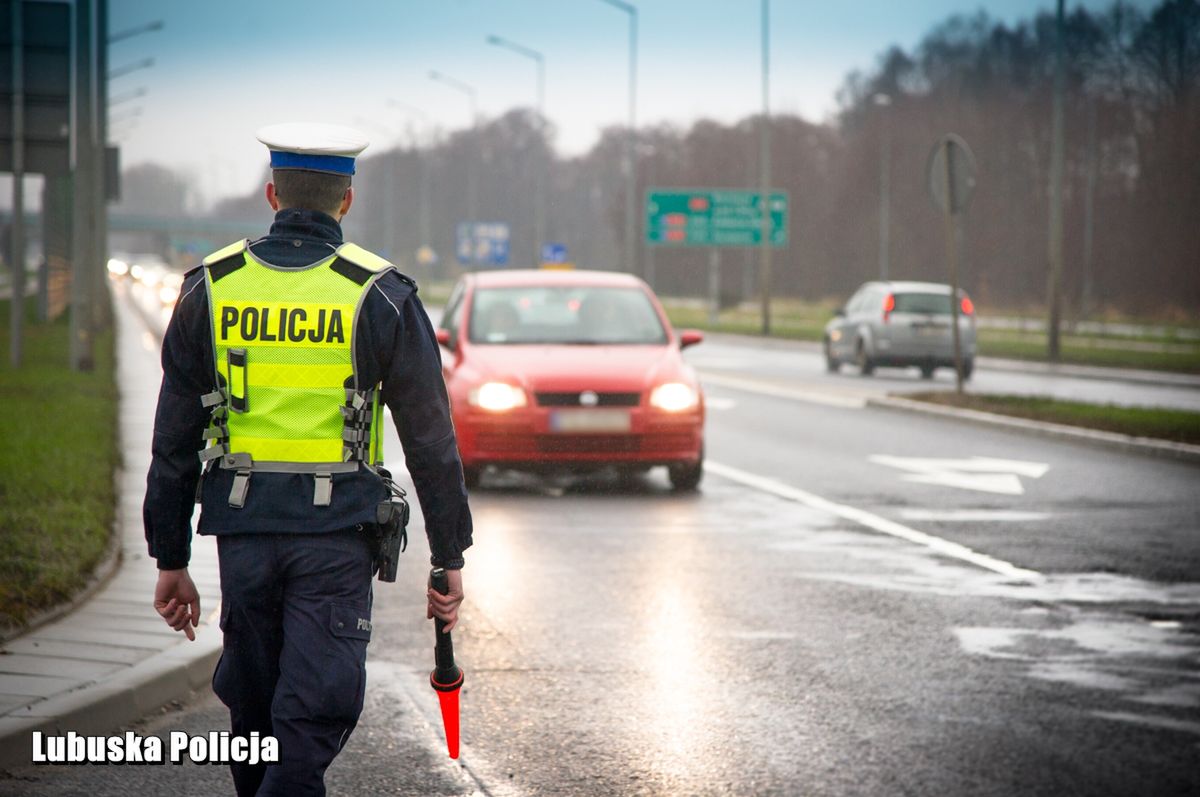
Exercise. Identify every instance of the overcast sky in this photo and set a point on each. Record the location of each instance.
(226, 67)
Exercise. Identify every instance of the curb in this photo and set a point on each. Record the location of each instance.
(1141, 445)
(102, 707)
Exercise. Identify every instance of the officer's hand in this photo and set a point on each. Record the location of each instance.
(445, 607)
(177, 601)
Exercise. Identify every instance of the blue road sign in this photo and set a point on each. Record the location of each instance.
(554, 253)
(482, 243)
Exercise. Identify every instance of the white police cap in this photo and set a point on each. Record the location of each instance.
(313, 146)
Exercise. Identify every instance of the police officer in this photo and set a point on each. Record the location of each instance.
(277, 363)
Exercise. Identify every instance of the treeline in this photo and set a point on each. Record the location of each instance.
(1132, 179)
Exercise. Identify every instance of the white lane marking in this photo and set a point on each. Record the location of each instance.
(767, 389)
(983, 474)
(1165, 723)
(871, 521)
(972, 515)
(719, 403)
(471, 769)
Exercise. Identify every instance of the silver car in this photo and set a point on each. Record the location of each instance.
(900, 324)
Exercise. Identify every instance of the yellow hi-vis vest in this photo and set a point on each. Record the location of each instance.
(289, 398)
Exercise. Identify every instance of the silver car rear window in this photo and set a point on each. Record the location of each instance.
(928, 303)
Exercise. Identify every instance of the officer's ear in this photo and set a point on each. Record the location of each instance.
(347, 201)
(272, 198)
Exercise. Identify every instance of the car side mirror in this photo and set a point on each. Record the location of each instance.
(443, 337)
(690, 337)
(840, 312)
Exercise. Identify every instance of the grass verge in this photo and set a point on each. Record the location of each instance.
(57, 497)
(1180, 426)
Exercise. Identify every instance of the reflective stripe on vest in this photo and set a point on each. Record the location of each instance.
(283, 343)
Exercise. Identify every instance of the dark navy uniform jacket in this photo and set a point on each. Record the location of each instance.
(398, 348)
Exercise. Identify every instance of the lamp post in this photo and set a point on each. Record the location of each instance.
(764, 174)
(630, 162)
(127, 96)
(387, 232)
(883, 101)
(121, 71)
(425, 170)
(539, 191)
(471, 94)
(131, 32)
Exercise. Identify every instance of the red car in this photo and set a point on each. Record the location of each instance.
(570, 370)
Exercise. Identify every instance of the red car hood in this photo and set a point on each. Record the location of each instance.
(615, 368)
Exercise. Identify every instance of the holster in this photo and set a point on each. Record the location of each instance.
(391, 518)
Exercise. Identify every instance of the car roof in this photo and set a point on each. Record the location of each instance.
(918, 287)
(511, 278)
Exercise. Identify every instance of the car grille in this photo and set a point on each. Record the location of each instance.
(603, 399)
(588, 444)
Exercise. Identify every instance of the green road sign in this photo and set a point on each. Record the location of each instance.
(712, 217)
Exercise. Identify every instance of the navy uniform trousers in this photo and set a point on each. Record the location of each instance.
(296, 613)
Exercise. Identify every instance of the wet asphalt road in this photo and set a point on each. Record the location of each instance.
(621, 639)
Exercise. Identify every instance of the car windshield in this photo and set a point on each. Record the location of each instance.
(930, 303)
(576, 314)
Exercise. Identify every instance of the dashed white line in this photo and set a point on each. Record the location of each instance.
(871, 521)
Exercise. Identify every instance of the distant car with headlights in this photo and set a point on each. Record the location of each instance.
(900, 324)
(574, 370)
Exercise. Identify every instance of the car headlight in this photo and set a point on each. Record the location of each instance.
(674, 397)
(497, 397)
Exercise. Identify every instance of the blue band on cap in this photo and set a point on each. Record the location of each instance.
(338, 164)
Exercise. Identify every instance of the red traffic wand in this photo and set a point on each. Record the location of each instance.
(447, 677)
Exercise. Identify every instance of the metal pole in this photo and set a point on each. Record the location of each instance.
(101, 304)
(17, 237)
(539, 188)
(1089, 214)
(952, 257)
(714, 286)
(630, 153)
(764, 274)
(83, 217)
(1054, 299)
(468, 90)
(885, 190)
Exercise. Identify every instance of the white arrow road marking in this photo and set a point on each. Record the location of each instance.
(871, 521)
(972, 515)
(983, 474)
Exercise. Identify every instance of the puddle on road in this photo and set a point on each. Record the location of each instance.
(1131, 641)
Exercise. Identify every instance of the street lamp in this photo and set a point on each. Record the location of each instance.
(121, 71)
(423, 164)
(764, 173)
(127, 96)
(539, 194)
(149, 27)
(469, 91)
(883, 101)
(630, 162)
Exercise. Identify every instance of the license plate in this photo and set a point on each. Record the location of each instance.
(589, 421)
(931, 331)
